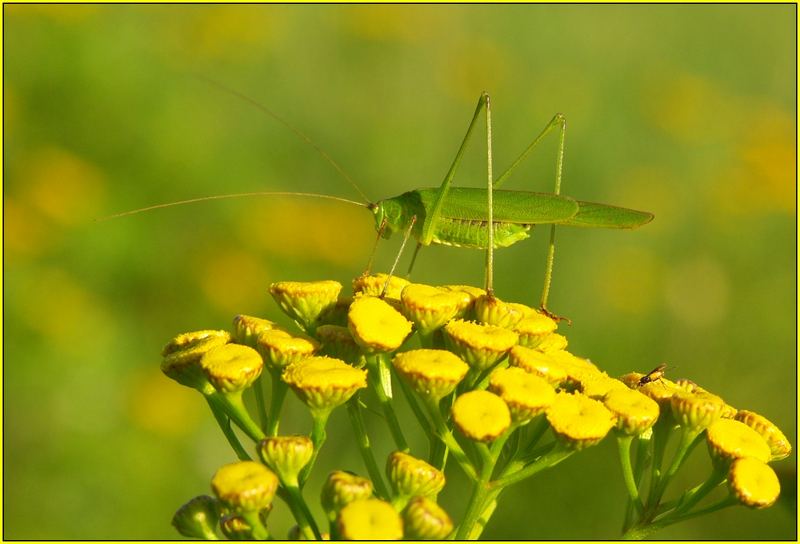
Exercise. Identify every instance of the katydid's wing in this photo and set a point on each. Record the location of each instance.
(593, 215)
(519, 207)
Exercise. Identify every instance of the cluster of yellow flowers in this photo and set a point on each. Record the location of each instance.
(496, 372)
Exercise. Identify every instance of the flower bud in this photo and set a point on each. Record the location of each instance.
(182, 357)
(410, 476)
(430, 308)
(481, 415)
(280, 349)
(753, 483)
(579, 421)
(376, 326)
(423, 519)
(247, 328)
(198, 518)
(245, 486)
(537, 363)
(534, 328)
(777, 441)
(526, 395)
(234, 527)
(337, 342)
(696, 411)
(286, 455)
(481, 346)
(552, 342)
(491, 310)
(373, 285)
(306, 301)
(432, 373)
(232, 367)
(323, 383)
(635, 411)
(370, 519)
(467, 296)
(341, 488)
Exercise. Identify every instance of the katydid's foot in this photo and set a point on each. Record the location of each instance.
(554, 317)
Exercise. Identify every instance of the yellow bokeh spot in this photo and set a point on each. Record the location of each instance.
(629, 279)
(156, 405)
(231, 279)
(24, 232)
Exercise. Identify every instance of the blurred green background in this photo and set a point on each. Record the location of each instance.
(686, 111)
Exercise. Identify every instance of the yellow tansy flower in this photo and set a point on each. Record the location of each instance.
(432, 373)
(324, 383)
(534, 328)
(182, 356)
(231, 367)
(481, 346)
(777, 441)
(373, 285)
(481, 415)
(526, 395)
(245, 486)
(370, 519)
(410, 476)
(339, 343)
(429, 307)
(286, 455)
(491, 310)
(552, 342)
(426, 520)
(696, 411)
(538, 363)
(377, 326)
(753, 482)
(635, 411)
(579, 421)
(340, 489)
(729, 439)
(246, 329)
(280, 349)
(306, 301)
(467, 296)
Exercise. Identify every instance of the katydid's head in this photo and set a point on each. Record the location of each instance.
(390, 216)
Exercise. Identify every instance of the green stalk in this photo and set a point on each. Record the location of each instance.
(318, 437)
(257, 529)
(279, 389)
(376, 370)
(482, 488)
(375, 474)
(689, 439)
(624, 446)
(305, 521)
(235, 409)
(661, 433)
(446, 436)
(225, 424)
(557, 453)
(258, 389)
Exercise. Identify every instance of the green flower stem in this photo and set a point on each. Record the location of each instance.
(279, 389)
(558, 452)
(305, 521)
(624, 446)
(438, 451)
(642, 460)
(643, 531)
(661, 433)
(225, 424)
(318, 437)
(258, 389)
(689, 439)
(257, 529)
(234, 407)
(446, 436)
(490, 503)
(376, 366)
(698, 493)
(356, 419)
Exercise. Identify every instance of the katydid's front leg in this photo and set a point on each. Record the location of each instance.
(558, 122)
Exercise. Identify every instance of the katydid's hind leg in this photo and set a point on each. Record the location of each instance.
(490, 203)
(399, 253)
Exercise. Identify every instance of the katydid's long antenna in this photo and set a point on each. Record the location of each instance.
(234, 195)
(291, 127)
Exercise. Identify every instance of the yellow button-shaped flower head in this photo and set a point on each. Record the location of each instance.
(432, 373)
(246, 329)
(245, 486)
(696, 411)
(777, 441)
(635, 411)
(323, 383)
(598, 385)
(491, 310)
(430, 308)
(481, 415)
(280, 349)
(370, 519)
(468, 294)
(480, 345)
(526, 395)
(340, 489)
(339, 343)
(532, 330)
(232, 367)
(286, 455)
(538, 363)
(579, 421)
(373, 285)
(753, 483)
(729, 439)
(660, 390)
(552, 342)
(410, 476)
(182, 357)
(198, 518)
(423, 519)
(376, 325)
(305, 302)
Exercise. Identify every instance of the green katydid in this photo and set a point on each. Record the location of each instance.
(460, 216)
